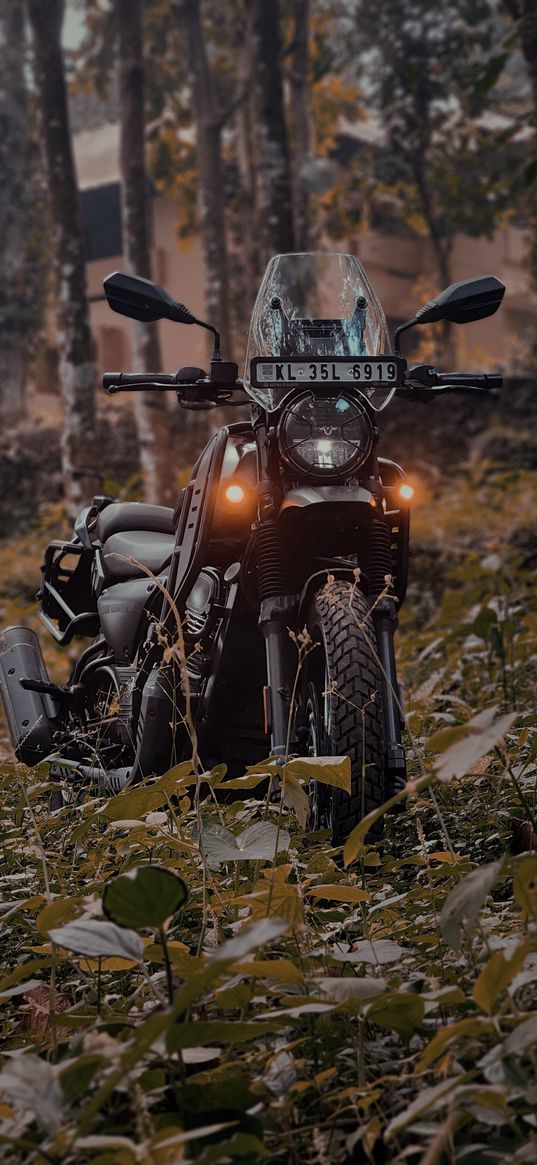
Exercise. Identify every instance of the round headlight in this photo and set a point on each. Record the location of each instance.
(325, 436)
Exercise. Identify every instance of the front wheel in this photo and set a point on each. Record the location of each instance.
(339, 709)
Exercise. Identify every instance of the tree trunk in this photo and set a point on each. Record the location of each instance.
(523, 13)
(300, 121)
(152, 416)
(209, 122)
(442, 247)
(78, 375)
(15, 315)
(273, 180)
(245, 145)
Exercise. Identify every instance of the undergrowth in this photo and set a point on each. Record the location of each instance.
(300, 1005)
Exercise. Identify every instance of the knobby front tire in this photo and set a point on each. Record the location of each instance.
(343, 668)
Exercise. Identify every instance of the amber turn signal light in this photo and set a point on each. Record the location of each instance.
(235, 494)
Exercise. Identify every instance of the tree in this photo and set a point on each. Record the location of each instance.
(16, 317)
(524, 14)
(438, 171)
(77, 367)
(209, 119)
(273, 185)
(152, 416)
(300, 119)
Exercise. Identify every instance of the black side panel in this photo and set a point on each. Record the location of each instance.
(121, 608)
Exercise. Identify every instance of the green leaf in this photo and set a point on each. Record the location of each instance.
(328, 770)
(308, 1007)
(144, 897)
(442, 1039)
(293, 790)
(482, 624)
(20, 989)
(497, 974)
(77, 1073)
(339, 892)
(249, 781)
(340, 989)
(523, 1037)
(355, 842)
(245, 1146)
(175, 779)
(135, 802)
(491, 74)
(59, 910)
(427, 1102)
(98, 940)
(258, 842)
(24, 969)
(214, 1032)
(400, 1011)
(462, 746)
(32, 1083)
(281, 970)
(250, 939)
(461, 909)
(380, 952)
(525, 885)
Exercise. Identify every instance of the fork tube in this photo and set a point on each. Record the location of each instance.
(277, 605)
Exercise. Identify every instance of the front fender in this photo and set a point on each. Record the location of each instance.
(317, 581)
(302, 496)
(326, 520)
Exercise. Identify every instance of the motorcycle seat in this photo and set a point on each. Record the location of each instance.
(148, 547)
(122, 516)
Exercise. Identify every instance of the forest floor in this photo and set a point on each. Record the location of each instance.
(390, 1017)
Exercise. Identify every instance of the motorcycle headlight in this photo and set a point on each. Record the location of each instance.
(325, 436)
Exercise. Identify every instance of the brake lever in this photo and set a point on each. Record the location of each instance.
(112, 389)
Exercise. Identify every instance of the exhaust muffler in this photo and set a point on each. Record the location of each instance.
(31, 715)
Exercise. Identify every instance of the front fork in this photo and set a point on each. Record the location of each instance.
(385, 624)
(276, 618)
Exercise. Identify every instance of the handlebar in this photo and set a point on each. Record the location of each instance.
(196, 390)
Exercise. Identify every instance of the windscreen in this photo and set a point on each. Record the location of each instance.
(317, 305)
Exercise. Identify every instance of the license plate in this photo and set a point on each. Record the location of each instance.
(360, 370)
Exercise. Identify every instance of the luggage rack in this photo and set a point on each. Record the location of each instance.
(65, 592)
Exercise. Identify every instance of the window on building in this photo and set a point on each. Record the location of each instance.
(113, 346)
(101, 221)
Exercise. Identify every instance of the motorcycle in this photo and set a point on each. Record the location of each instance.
(257, 619)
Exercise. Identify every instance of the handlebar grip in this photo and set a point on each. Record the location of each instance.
(482, 380)
(124, 379)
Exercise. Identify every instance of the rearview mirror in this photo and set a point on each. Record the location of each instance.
(140, 299)
(461, 303)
